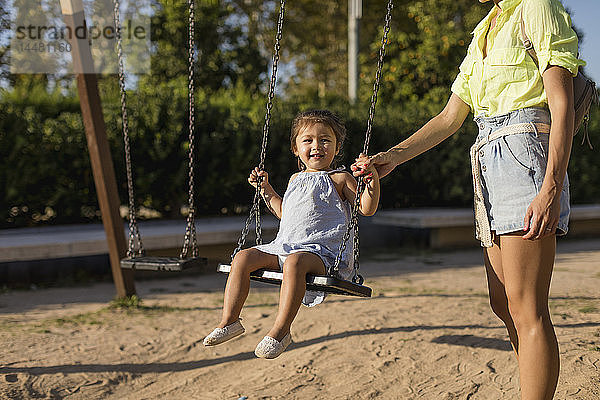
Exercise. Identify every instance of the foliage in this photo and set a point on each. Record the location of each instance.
(128, 303)
(4, 26)
(45, 174)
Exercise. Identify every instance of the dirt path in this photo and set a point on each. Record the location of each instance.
(427, 333)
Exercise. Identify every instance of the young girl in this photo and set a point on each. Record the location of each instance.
(314, 214)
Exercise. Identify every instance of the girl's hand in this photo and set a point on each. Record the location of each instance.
(254, 178)
(364, 167)
(541, 218)
(382, 162)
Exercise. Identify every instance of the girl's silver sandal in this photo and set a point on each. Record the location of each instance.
(221, 335)
(270, 348)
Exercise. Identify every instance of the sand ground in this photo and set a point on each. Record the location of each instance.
(427, 333)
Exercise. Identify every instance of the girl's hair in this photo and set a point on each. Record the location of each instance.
(309, 118)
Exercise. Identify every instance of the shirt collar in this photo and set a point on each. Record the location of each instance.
(505, 5)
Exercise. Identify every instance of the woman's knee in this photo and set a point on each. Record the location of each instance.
(528, 316)
(499, 306)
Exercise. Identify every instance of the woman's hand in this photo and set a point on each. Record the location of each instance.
(542, 216)
(381, 162)
(255, 174)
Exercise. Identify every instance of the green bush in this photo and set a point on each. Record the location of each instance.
(46, 175)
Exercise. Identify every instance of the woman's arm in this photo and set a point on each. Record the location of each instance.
(269, 195)
(543, 213)
(438, 129)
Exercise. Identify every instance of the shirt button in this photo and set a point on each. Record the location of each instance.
(481, 153)
(483, 168)
(481, 126)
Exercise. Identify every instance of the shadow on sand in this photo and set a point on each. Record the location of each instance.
(461, 340)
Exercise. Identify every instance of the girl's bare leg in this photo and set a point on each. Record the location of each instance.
(295, 268)
(527, 269)
(497, 291)
(238, 281)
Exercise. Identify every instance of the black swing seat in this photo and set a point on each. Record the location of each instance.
(320, 283)
(162, 263)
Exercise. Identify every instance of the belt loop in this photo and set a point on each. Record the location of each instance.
(535, 129)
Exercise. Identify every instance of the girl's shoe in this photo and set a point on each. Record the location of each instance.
(220, 335)
(270, 348)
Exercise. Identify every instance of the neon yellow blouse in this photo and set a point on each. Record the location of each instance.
(508, 79)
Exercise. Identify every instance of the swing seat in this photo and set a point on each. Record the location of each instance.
(319, 283)
(162, 263)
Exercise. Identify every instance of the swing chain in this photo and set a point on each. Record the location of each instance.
(255, 209)
(386, 30)
(190, 230)
(353, 225)
(135, 239)
(246, 229)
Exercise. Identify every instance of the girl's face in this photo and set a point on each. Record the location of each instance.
(316, 145)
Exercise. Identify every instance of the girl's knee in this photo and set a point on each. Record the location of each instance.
(296, 263)
(243, 260)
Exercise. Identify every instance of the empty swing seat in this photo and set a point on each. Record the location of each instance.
(146, 263)
(319, 283)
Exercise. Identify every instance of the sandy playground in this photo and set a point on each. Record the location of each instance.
(427, 333)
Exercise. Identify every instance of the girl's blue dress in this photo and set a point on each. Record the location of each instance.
(314, 219)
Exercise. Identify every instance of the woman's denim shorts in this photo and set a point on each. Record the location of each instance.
(513, 169)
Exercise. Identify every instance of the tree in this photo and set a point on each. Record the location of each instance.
(4, 46)
(228, 62)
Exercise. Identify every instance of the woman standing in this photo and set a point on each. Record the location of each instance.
(524, 110)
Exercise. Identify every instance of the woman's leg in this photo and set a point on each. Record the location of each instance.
(295, 268)
(527, 269)
(497, 291)
(238, 281)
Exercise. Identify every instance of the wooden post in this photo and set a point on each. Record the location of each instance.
(100, 157)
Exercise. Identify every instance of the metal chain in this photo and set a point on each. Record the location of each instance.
(135, 239)
(246, 229)
(255, 209)
(386, 30)
(190, 230)
(353, 225)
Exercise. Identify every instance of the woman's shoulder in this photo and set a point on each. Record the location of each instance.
(542, 5)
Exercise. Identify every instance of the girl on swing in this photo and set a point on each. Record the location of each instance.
(314, 214)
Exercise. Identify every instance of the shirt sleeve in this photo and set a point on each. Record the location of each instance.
(460, 87)
(548, 26)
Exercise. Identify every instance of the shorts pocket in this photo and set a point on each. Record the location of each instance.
(519, 150)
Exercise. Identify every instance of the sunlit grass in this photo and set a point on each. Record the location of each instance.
(588, 309)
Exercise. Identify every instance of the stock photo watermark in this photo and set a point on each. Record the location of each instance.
(74, 36)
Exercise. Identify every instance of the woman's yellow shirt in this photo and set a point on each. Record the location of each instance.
(508, 79)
